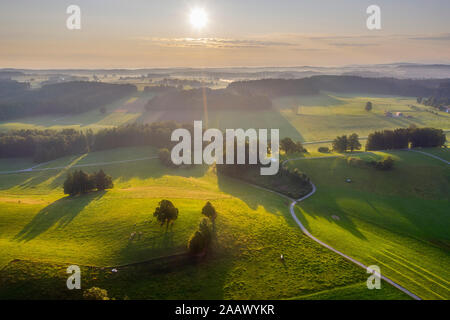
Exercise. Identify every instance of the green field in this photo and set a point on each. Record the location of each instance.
(123, 111)
(48, 231)
(397, 219)
(325, 116)
(303, 118)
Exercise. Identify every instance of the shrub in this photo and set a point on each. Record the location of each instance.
(95, 293)
(323, 149)
(164, 157)
(356, 162)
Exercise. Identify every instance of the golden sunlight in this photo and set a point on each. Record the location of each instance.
(198, 18)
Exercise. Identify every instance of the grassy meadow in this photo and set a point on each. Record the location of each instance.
(323, 117)
(48, 231)
(303, 118)
(395, 219)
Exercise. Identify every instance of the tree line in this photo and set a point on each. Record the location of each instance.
(46, 145)
(403, 138)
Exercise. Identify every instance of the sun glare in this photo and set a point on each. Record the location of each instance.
(198, 18)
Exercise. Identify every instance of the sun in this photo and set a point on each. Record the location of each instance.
(198, 18)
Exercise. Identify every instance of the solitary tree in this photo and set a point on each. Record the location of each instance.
(209, 211)
(288, 145)
(368, 106)
(353, 142)
(340, 144)
(166, 213)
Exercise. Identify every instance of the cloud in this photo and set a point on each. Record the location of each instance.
(346, 44)
(214, 43)
(438, 37)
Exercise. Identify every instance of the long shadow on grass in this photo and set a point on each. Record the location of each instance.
(60, 213)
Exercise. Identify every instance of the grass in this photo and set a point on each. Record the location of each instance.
(305, 118)
(122, 111)
(325, 116)
(397, 219)
(48, 232)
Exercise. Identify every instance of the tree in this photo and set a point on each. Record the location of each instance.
(166, 213)
(340, 144)
(201, 239)
(368, 106)
(69, 184)
(209, 211)
(353, 142)
(103, 181)
(95, 293)
(164, 157)
(288, 145)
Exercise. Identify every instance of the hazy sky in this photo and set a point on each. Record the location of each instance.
(158, 33)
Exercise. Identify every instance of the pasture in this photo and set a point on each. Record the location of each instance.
(395, 219)
(48, 231)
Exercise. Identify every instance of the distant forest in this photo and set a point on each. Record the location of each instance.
(216, 99)
(342, 84)
(18, 100)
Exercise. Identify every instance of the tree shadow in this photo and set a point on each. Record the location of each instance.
(59, 213)
(333, 213)
(250, 195)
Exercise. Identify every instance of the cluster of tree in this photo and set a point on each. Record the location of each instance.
(404, 138)
(201, 239)
(45, 145)
(166, 213)
(16, 100)
(323, 149)
(80, 182)
(289, 146)
(195, 99)
(344, 143)
(385, 164)
(368, 106)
